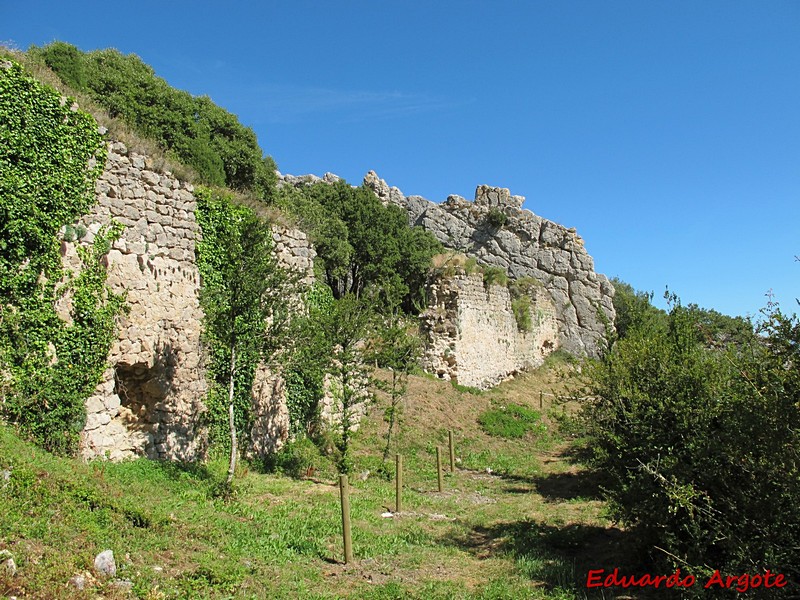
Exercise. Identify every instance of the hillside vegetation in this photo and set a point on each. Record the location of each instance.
(690, 419)
(517, 519)
(196, 131)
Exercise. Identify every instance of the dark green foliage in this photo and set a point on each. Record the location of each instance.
(363, 244)
(50, 157)
(634, 309)
(244, 296)
(700, 443)
(510, 421)
(305, 371)
(298, 458)
(521, 307)
(201, 134)
(496, 218)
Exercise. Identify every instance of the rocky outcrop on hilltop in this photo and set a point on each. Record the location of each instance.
(497, 231)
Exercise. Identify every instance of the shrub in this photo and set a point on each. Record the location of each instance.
(494, 276)
(521, 307)
(511, 421)
(700, 445)
(496, 218)
(201, 134)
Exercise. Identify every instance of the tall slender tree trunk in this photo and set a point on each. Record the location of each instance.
(231, 422)
(395, 401)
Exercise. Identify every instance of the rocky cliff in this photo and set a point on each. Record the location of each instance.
(496, 231)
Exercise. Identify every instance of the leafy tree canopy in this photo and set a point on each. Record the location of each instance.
(201, 134)
(362, 243)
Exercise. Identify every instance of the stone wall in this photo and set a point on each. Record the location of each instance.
(526, 245)
(151, 397)
(472, 334)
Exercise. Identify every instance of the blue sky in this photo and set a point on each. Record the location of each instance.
(667, 133)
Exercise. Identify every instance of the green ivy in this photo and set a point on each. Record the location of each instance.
(50, 157)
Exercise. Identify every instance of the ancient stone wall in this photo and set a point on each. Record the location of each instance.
(151, 397)
(473, 336)
(526, 245)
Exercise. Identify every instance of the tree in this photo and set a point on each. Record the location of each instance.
(634, 309)
(396, 348)
(362, 243)
(244, 297)
(346, 327)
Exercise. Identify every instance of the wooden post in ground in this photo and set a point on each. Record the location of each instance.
(344, 490)
(452, 451)
(439, 467)
(398, 483)
(540, 399)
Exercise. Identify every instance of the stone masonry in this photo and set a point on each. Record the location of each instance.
(150, 400)
(472, 334)
(526, 245)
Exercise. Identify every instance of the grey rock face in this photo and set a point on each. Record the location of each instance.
(526, 245)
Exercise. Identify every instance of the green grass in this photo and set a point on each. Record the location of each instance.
(511, 421)
(498, 535)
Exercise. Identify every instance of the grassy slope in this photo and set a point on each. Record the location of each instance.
(531, 528)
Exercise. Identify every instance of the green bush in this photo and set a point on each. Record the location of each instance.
(511, 421)
(50, 366)
(298, 458)
(700, 445)
(496, 217)
(521, 307)
(201, 134)
(494, 276)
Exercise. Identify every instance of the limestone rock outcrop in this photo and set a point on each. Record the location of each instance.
(496, 231)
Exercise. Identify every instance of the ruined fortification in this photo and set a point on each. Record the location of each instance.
(150, 401)
(496, 231)
(151, 397)
(474, 338)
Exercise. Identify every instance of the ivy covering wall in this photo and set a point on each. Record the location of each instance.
(50, 157)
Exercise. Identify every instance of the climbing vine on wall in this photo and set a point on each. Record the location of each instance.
(50, 157)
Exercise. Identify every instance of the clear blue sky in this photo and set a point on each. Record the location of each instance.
(667, 133)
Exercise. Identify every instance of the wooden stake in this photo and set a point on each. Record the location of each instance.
(344, 490)
(398, 483)
(452, 451)
(439, 467)
(540, 399)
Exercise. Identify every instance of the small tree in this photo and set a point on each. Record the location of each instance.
(245, 297)
(346, 327)
(395, 348)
